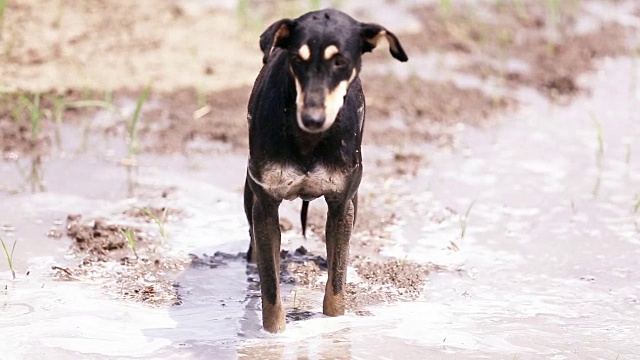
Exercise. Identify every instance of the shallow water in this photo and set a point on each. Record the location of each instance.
(546, 268)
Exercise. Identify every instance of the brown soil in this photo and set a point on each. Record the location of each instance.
(104, 252)
(183, 111)
(555, 53)
(115, 44)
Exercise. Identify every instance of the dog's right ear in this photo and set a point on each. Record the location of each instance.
(276, 35)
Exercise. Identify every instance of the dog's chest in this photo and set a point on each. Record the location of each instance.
(289, 182)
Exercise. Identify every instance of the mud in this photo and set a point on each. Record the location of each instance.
(449, 256)
(507, 45)
(378, 283)
(550, 45)
(130, 268)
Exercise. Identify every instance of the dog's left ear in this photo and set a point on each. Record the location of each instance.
(276, 35)
(371, 34)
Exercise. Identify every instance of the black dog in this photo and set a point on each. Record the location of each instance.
(306, 117)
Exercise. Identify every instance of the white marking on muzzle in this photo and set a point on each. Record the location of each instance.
(333, 102)
(299, 103)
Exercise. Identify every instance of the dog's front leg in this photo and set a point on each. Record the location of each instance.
(339, 225)
(266, 235)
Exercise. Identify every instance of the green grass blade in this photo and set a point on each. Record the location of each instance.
(89, 103)
(130, 237)
(463, 222)
(35, 116)
(160, 221)
(9, 256)
(133, 125)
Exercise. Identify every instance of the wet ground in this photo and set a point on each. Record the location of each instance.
(500, 207)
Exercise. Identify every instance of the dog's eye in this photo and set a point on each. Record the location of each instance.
(340, 61)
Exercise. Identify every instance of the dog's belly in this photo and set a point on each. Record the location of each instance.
(288, 182)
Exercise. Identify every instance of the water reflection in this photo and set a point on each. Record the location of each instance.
(32, 174)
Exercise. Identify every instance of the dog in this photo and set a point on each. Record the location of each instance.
(306, 117)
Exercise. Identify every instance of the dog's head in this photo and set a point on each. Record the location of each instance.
(324, 50)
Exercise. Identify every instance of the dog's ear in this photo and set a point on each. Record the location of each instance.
(371, 34)
(276, 35)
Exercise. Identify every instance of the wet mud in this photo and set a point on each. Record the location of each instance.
(124, 257)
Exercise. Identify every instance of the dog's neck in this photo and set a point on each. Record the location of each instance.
(305, 141)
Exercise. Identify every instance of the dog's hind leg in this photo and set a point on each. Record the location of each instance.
(266, 234)
(248, 209)
(339, 225)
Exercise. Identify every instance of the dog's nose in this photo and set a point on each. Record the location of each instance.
(313, 118)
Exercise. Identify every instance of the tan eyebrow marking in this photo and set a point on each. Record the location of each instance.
(329, 51)
(304, 52)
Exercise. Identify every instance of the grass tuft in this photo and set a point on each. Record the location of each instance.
(9, 256)
(133, 124)
(36, 115)
(34, 112)
(131, 240)
(159, 220)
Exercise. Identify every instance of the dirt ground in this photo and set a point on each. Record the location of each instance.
(64, 61)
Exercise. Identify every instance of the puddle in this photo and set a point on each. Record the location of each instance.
(528, 230)
(551, 240)
(546, 266)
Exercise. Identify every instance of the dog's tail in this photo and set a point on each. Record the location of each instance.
(303, 217)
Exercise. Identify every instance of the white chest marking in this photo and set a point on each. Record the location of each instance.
(288, 182)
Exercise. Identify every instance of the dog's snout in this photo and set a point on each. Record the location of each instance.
(313, 118)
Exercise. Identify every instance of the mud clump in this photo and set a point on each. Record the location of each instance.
(99, 241)
(105, 253)
(385, 282)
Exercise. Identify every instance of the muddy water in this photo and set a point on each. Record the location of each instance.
(546, 267)
(552, 240)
